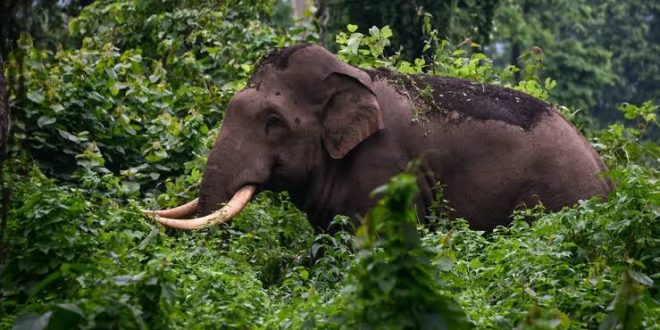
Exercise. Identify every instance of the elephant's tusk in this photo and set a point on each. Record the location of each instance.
(223, 215)
(176, 212)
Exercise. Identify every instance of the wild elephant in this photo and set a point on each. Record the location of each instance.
(329, 133)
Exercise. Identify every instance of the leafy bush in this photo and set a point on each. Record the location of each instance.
(567, 267)
(396, 284)
(143, 95)
(441, 58)
(140, 101)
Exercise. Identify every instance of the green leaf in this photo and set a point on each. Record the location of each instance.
(66, 316)
(641, 278)
(57, 107)
(354, 43)
(113, 89)
(246, 68)
(68, 136)
(351, 28)
(32, 321)
(386, 32)
(445, 264)
(341, 38)
(130, 186)
(374, 32)
(45, 121)
(36, 96)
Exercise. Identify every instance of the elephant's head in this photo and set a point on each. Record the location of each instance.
(302, 108)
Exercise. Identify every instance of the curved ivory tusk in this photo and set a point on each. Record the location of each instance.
(223, 215)
(176, 212)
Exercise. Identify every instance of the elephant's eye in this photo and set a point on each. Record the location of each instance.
(273, 122)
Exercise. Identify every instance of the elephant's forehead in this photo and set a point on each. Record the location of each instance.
(305, 64)
(294, 85)
(250, 100)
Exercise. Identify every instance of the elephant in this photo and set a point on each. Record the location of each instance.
(330, 133)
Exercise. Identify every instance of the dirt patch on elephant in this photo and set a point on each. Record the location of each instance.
(472, 99)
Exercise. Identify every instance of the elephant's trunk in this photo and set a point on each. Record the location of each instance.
(224, 215)
(234, 163)
(227, 180)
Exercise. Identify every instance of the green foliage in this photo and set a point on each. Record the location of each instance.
(628, 145)
(43, 19)
(142, 97)
(114, 270)
(630, 31)
(441, 58)
(396, 284)
(602, 51)
(67, 103)
(455, 20)
(139, 99)
(564, 270)
(199, 43)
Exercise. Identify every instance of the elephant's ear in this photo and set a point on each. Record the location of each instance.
(352, 114)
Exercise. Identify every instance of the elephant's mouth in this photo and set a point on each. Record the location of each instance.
(235, 205)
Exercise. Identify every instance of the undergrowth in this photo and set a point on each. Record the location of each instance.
(99, 128)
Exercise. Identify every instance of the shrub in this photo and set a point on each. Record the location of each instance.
(138, 102)
(395, 283)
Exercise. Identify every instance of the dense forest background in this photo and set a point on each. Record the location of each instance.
(115, 105)
(604, 51)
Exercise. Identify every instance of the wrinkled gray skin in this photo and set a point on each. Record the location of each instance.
(329, 133)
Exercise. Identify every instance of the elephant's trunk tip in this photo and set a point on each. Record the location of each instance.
(235, 205)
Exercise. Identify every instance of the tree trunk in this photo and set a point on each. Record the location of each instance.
(516, 48)
(4, 112)
(322, 17)
(4, 137)
(299, 7)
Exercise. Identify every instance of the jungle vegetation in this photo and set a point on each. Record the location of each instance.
(115, 105)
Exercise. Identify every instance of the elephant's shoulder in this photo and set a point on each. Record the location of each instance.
(443, 95)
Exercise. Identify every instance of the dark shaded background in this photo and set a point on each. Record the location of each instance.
(603, 53)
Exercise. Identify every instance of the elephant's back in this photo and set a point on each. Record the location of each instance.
(492, 148)
(442, 96)
(569, 162)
